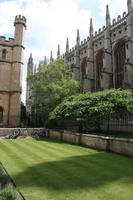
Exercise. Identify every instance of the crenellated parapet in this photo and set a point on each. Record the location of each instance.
(5, 41)
(20, 20)
(119, 21)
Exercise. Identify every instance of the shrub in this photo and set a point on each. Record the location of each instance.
(9, 193)
(1, 170)
(4, 180)
(92, 108)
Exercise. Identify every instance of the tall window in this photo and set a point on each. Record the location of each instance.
(99, 70)
(83, 68)
(1, 114)
(3, 54)
(120, 64)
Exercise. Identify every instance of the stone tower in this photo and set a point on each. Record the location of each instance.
(11, 63)
(29, 88)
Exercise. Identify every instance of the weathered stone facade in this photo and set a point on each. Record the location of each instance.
(11, 63)
(31, 69)
(105, 59)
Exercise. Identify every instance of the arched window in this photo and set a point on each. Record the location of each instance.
(1, 114)
(120, 56)
(83, 68)
(3, 54)
(99, 69)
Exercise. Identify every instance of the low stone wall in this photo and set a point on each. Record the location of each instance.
(23, 131)
(109, 144)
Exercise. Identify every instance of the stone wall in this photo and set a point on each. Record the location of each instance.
(24, 131)
(109, 144)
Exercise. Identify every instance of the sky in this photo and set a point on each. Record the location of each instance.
(50, 22)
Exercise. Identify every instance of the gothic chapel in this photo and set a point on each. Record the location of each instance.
(105, 59)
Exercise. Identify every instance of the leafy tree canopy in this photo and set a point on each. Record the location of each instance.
(52, 84)
(94, 107)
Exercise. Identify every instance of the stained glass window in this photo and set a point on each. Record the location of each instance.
(120, 64)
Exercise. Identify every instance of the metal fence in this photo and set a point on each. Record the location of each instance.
(119, 122)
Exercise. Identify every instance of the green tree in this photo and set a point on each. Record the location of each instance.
(52, 84)
(93, 108)
(23, 114)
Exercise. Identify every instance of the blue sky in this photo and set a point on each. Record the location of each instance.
(50, 22)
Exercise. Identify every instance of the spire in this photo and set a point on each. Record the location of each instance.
(58, 52)
(35, 69)
(67, 45)
(30, 59)
(78, 38)
(91, 28)
(51, 57)
(30, 65)
(45, 59)
(129, 5)
(107, 16)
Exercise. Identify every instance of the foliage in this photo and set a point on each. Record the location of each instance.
(8, 193)
(93, 108)
(4, 179)
(52, 83)
(23, 112)
(1, 170)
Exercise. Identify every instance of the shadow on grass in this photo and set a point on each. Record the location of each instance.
(87, 171)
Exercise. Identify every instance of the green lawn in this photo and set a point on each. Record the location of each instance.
(47, 170)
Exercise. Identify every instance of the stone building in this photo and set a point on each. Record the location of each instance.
(31, 69)
(105, 59)
(11, 63)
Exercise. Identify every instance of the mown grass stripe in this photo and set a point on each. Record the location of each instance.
(61, 170)
(66, 148)
(57, 172)
(47, 149)
(78, 174)
(81, 163)
(84, 162)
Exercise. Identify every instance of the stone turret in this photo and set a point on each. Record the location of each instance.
(67, 46)
(17, 66)
(29, 86)
(45, 59)
(30, 66)
(76, 67)
(89, 78)
(51, 56)
(35, 69)
(108, 20)
(107, 81)
(91, 29)
(58, 52)
(18, 51)
(78, 38)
